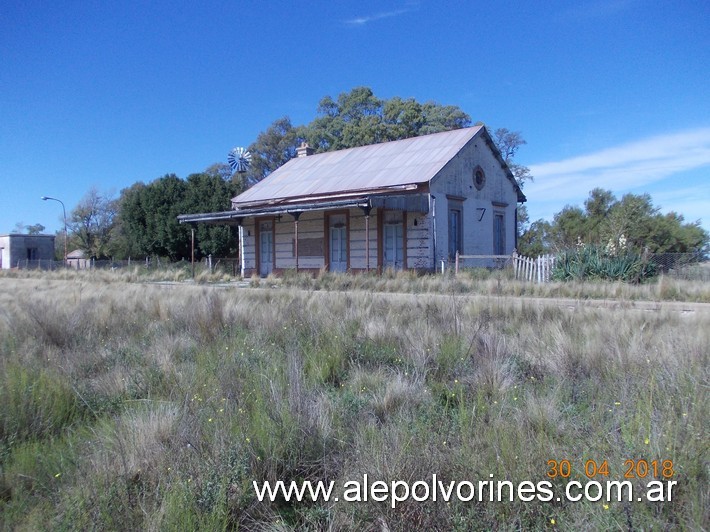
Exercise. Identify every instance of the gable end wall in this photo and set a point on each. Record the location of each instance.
(454, 183)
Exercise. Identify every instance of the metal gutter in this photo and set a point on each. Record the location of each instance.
(238, 215)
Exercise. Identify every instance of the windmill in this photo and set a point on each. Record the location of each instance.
(239, 160)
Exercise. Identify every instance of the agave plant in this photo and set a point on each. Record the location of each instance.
(595, 263)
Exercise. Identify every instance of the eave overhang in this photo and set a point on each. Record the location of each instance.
(417, 202)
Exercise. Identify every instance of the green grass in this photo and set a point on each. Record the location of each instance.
(137, 406)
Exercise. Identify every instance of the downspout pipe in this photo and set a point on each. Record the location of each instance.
(433, 223)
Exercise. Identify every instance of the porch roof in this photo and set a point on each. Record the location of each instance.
(236, 217)
(410, 202)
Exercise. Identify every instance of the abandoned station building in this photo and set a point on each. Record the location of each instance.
(403, 204)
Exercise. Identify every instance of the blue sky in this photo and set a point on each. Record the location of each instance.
(610, 93)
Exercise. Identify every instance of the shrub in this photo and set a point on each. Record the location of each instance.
(595, 263)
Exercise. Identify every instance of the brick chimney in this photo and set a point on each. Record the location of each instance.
(304, 150)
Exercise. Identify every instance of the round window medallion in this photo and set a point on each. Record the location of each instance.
(479, 178)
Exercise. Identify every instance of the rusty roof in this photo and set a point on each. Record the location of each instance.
(393, 164)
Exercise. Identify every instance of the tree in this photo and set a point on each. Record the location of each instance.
(437, 118)
(569, 228)
(211, 193)
(508, 143)
(634, 217)
(597, 208)
(148, 215)
(599, 203)
(403, 118)
(535, 241)
(359, 118)
(92, 223)
(35, 229)
(59, 237)
(224, 172)
(605, 219)
(272, 148)
(355, 118)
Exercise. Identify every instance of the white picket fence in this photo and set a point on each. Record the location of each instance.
(536, 270)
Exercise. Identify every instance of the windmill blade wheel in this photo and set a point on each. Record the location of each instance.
(239, 160)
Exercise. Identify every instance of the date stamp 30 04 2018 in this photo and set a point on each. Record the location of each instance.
(632, 469)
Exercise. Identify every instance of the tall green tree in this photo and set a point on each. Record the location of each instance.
(271, 149)
(569, 228)
(403, 118)
(355, 118)
(148, 214)
(535, 240)
(210, 192)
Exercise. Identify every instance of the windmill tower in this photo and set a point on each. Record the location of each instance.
(239, 160)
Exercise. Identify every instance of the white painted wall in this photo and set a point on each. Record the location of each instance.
(456, 180)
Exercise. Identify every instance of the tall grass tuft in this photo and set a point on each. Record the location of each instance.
(37, 403)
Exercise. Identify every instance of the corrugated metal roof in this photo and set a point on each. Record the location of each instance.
(389, 164)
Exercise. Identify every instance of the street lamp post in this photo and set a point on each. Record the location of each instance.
(66, 235)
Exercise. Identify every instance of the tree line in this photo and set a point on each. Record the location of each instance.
(606, 220)
(142, 221)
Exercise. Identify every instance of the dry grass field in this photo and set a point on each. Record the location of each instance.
(137, 406)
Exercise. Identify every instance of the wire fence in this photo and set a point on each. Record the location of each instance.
(213, 265)
(687, 266)
(38, 264)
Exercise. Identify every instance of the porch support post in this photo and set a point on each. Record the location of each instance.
(366, 210)
(296, 216)
(242, 265)
(192, 251)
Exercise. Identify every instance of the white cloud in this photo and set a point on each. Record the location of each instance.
(692, 202)
(361, 21)
(623, 167)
